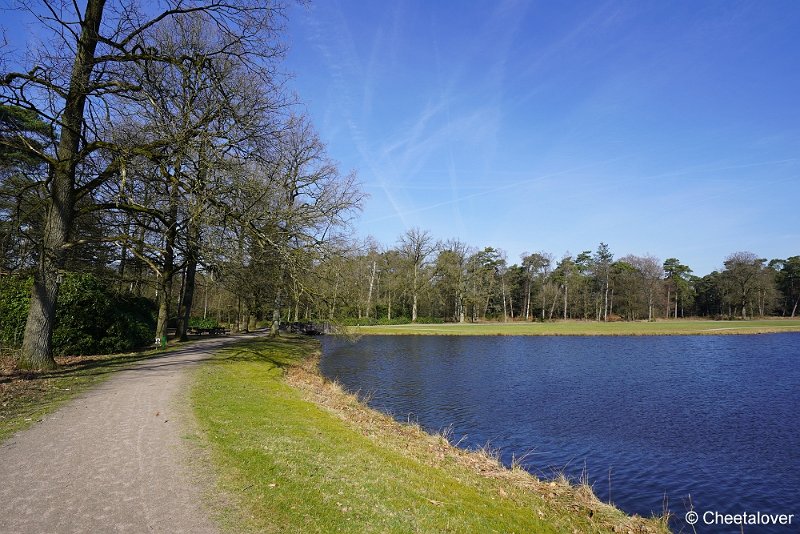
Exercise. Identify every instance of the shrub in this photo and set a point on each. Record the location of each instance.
(430, 320)
(371, 321)
(91, 318)
(199, 322)
(15, 295)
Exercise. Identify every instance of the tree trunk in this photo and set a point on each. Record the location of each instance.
(275, 328)
(611, 304)
(205, 298)
(139, 268)
(371, 283)
(414, 296)
(189, 281)
(244, 318)
(297, 295)
(335, 291)
(164, 294)
(192, 244)
(544, 302)
(179, 309)
(37, 349)
(503, 291)
(527, 299)
(168, 270)
(123, 256)
(276, 316)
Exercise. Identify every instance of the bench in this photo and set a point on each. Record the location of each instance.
(215, 331)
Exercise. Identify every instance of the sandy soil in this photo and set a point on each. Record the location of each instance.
(113, 459)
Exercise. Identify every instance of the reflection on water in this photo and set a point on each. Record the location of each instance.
(714, 417)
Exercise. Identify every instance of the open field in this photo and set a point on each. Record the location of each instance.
(294, 453)
(588, 328)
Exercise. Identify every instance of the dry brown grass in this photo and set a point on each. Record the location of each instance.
(437, 451)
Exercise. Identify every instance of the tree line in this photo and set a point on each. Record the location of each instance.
(159, 151)
(422, 279)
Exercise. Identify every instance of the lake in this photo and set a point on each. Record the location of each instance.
(711, 417)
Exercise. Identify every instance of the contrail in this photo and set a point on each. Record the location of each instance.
(489, 191)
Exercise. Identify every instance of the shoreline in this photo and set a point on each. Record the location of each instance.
(415, 480)
(680, 327)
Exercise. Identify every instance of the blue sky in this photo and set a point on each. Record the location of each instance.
(664, 128)
(668, 128)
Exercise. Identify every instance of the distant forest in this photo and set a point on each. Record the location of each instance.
(155, 173)
(420, 279)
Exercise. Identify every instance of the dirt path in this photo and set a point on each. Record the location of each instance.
(111, 460)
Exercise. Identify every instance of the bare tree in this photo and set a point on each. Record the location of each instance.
(416, 246)
(742, 270)
(73, 83)
(286, 213)
(650, 271)
(602, 262)
(451, 268)
(532, 265)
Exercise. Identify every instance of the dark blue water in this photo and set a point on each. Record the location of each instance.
(714, 417)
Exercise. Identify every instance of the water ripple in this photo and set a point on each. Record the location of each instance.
(714, 417)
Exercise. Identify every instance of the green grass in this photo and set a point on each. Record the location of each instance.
(26, 397)
(588, 328)
(296, 454)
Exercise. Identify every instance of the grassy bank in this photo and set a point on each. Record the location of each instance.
(588, 328)
(27, 396)
(296, 454)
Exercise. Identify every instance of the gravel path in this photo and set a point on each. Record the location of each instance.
(111, 460)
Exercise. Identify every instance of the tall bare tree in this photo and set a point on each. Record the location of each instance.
(72, 84)
(649, 273)
(742, 270)
(416, 246)
(602, 262)
(451, 269)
